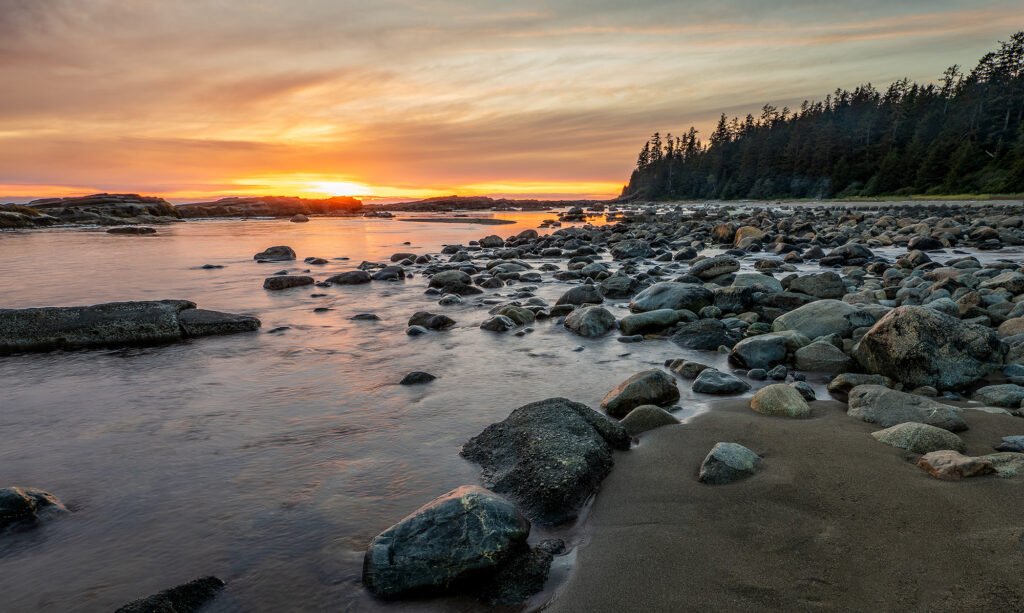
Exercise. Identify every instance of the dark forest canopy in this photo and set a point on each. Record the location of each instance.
(962, 135)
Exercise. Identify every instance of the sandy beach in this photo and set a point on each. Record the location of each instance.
(833, 521)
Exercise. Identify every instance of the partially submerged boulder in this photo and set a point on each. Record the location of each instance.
(672, 295)
(187, 598)
(548, 456)
(920, 346)
(26, 506)
(445, 542)
(824, 317)
(113, 324)
(279, 253)
(648, 387)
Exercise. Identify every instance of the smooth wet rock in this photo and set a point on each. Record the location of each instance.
(820, 285)
(648, 322)
(132, 230)
(1008, 395)
(365, 317)
(1012, 443)
(953, 465)
(581, 294)
(711, 381)
(704, 334)
(880, 405)
(648, 387)
(820, 356)
(824, 317)
(417, 377)
(781, 400)
(286, 282)
(416, 330)
(631, 248)
(187, 598)
(757, 281)
(686, 368)
(520, 576)
(445, 542)
(352, 277)
(647, 417)
(919, 438)
(920, 346)
(25, 506)
(549, 456)
(517, 314)
(763, 351)
(672, 295)
(590, 321)
(846, 381)
(201, 322)
(280, 253)
(299, 218)
(498, 323)
(431, 321)
(728, 462)
(713, 267)
(805, 390)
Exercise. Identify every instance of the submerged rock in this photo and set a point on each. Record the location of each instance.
(280, 253)
(648, 387)
(187, 598)
(136, 230)
(286, 282)
(549, 456)
(444, 542)
(920, 346)
(728, 462)
(26, 506)
(352, 277)
(112, 324)
(417, 377)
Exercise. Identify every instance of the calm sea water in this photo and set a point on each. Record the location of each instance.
(269, 460)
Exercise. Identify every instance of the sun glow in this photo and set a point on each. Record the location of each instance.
(339, 188)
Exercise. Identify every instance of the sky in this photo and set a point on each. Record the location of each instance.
(384, 99)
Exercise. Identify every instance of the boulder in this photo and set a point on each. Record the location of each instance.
(280, 253)
(757, 281)
(952, 465)
(647, 417)
(713, 267)
(728, 462)
(648, 387)
(24, 506)
(845, 382)
(286, 282)
(819, 285)
(820, 356)
(1006, 464)
(824, 317)
(686, 368)
(919, 438)
(704, 334)
(581, 294)
(747, 232)
(431, 321)
(711, 381)
(190, 597)
(886, 407)
(919, 346)
(114, 324)
(444, 543)
(631, 248)
(672, 295)
(1008, 395)
(549, 456)
(417, 377)
(762, 351)
(352, 277)
(492, 242)
(780, 399)
(299, 218)
(619, 285)
(1012, 444)
(650, 321)
(132, 230)
(498, 323)
(590, 321)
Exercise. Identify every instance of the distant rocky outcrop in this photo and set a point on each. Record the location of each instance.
(115, 324)
(271, 206)
(476, 203)
(97, 209)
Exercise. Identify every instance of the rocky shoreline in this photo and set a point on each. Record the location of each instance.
(880, 304)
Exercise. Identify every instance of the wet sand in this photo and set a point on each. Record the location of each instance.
(833, 521)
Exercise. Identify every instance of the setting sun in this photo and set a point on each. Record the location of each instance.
(339, 188)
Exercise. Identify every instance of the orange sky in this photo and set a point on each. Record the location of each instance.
(415, 98)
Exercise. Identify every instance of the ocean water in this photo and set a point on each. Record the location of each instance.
(268, 460)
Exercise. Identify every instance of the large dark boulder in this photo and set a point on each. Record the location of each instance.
(672, 295)
(652, 386)
(877, 404)
(549, 456)
(820, 285)
(352, 277)
(764, 351)
(920, 346)
(717, 266)
(187, 598)
(26, 506)
(631, 248)
(279, 282)
(114, 324)
(280, 253)
(444, 544)
(704, 334)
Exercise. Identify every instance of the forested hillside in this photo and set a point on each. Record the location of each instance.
(963, 134)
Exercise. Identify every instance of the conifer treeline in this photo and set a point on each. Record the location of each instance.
(962, 135)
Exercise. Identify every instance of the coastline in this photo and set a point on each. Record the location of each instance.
(834, 520)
